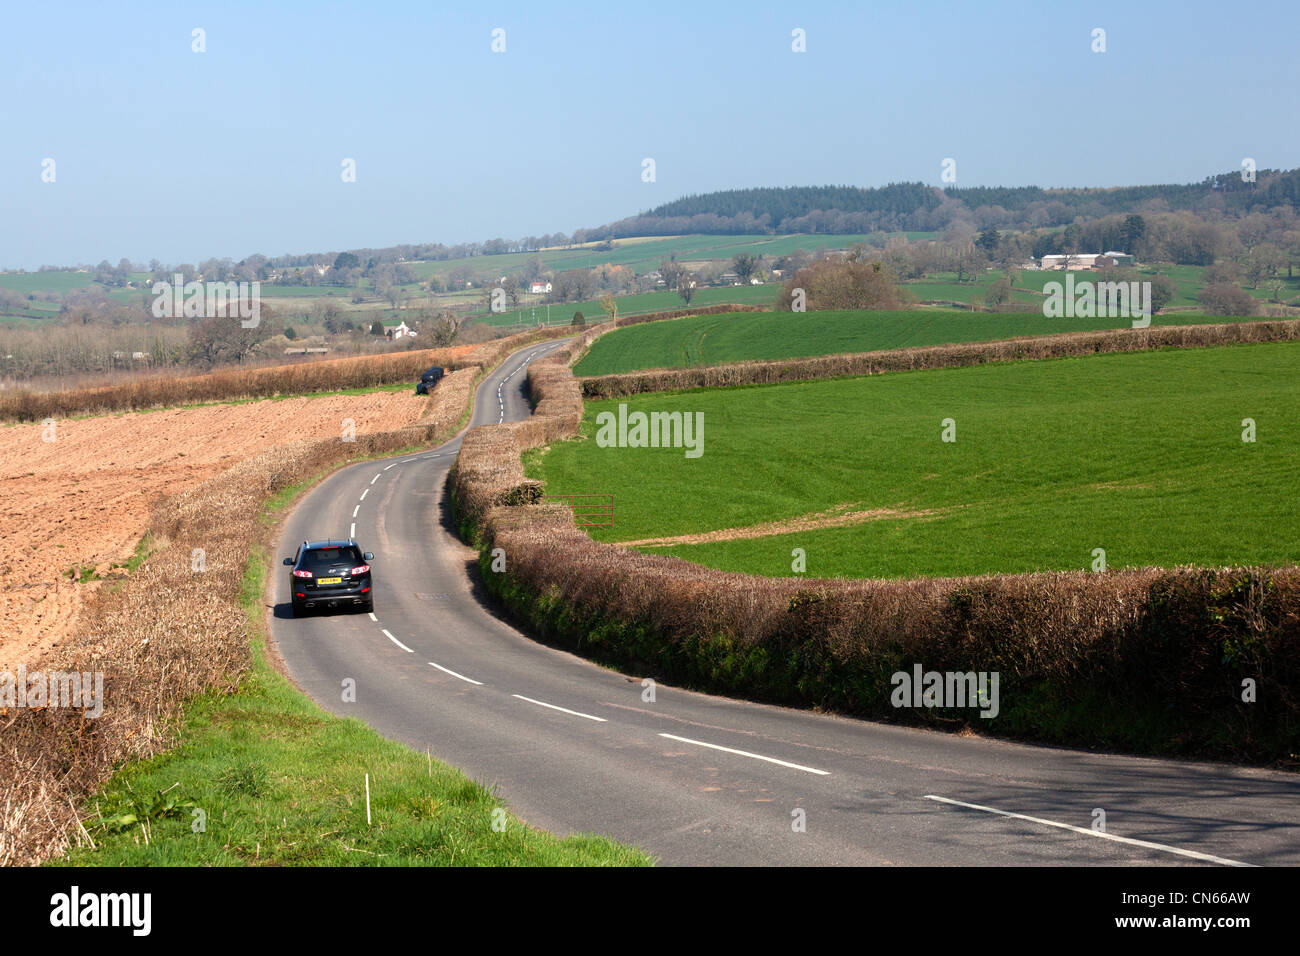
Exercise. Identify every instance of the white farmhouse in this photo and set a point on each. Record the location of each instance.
(399, 331)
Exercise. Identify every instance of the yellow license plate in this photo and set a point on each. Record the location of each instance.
(329, 581)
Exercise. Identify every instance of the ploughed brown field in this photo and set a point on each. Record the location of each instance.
(83, 500)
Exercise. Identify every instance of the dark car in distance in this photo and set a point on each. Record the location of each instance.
(330, 574)
(429, 378)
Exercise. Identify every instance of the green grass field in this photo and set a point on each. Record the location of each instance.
(1187, 281)
(644, 254)
(633, 304)
(1140, 454)
(49, 281)
(716, 339)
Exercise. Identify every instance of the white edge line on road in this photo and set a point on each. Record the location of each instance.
(376, 478)
(373, 618)
(396, 641)
(445, 670)
(363, 495)
(542, 703)
(355, 510)
(1094, 833)
(745, 753)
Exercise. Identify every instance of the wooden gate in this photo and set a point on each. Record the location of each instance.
(589, 511)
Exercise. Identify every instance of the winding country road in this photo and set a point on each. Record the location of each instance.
(694, 779)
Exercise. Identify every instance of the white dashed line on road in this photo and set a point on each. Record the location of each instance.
(746, 753)
(364, 493)
(396, 641)
(1101, 834)
(373, 618)
(393, 465)
(352, 531)
(565, 710)
(355, 510)
(376, 478)
(454, 674)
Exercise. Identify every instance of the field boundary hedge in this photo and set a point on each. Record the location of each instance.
(1064, 345)
(1148, 661)
(159, 640)
(301, 378)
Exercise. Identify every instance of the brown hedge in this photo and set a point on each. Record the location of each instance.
(1149, 661)
(1146, 660)
(299, 378)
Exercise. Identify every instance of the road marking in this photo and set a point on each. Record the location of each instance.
(393, 465)
(745, 753)
(373, 618)
(454, 674)
(363, 495)
(396, 641)
(376, 478)
(542, 703)
(355, 510)
(1096, 833)
(352, 531)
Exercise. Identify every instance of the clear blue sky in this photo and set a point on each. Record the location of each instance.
(165, 153)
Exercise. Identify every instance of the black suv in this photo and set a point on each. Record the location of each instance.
(329, 574)
(429, 378)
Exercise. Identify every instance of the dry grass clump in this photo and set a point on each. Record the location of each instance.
(1067, 344)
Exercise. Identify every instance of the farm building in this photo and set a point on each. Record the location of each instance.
(540, 288)
(1072, 261)
(399, 331)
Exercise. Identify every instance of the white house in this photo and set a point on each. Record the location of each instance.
(539, 288)
(399, 331)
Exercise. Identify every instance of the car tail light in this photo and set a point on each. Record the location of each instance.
(360, 569)
(298, 594)
(364, 590)
(302, 574)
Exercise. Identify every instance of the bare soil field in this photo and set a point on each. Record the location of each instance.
(83, 500)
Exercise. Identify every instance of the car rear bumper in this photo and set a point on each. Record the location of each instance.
(334, 597)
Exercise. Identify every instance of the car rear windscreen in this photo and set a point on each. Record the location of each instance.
(329, 557)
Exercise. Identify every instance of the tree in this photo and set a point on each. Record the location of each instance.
(376, 328)
(1224, 299)
(841, 284)
(610, 306)
(744, 265)
(1162, 292)
(441, 330)
(572, 285)
(290, 333)
(1132, 233)
(346, 260)
(579, 319)
(989, 240)
(999, 293)
(218, 339)
(686, 287)
(671, 270)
